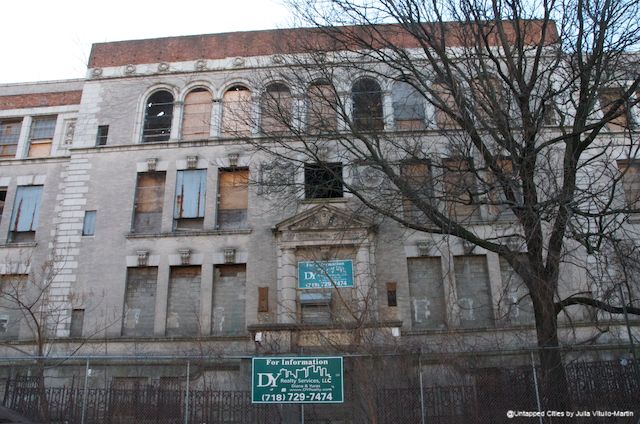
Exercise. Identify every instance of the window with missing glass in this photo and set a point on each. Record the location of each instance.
(323, 180)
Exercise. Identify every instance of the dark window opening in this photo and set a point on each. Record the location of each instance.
(263, 299)
(323, 180)
(392, 299)
(158, 117)
(3, 197)
(276, 109)
(367, 105)
(103, 134)
(77, 322)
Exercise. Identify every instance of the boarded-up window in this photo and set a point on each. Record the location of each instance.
(473, 291)
(488, 98)
(236, 112)
(9, 137)
(426, 291)
(26, 211)
(189, 206)
(263, 299)
(315, 307)
(322, 180)
(392, 297)
(276, 109)
(367, 105)
(147, 217)
(229, 283)
(12, 291)
(77, 322)
(417, 176)
(631, 182)
(516, 306)
(612, 99)
(140, 301)
(41, 137)
(183, 305)
(445, 105)
(233, 198)
(499, 202)
(321, 108)
(408, 107)
(197, 114)
(460, 188)
(158, 117)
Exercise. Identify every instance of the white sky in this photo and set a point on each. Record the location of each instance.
(49, 40)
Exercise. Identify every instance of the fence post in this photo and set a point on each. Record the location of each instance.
(186, 401)
(84, 393)
(422, 408)
(535, 383)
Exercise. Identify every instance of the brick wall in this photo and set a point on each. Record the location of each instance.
(20, 101)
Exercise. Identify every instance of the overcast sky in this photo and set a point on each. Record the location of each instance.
(49, 40)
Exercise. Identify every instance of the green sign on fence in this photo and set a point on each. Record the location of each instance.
(299, 379)
(325, 274)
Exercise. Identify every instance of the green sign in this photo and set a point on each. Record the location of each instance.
(297, 379)
(325, 274)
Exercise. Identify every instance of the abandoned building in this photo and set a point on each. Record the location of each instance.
(136, 199)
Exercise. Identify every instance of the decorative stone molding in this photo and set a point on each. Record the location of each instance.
(96, 72)
(185, 256)
(277, 59)
(424, 247)
(229, 256)
(152, 164)
(233, 159)
(130, 69)
(192, 162)
(69, 131)
(238, 61)
(143, 257)
(325, 252)
(163, 67)
(201, 65)
(468, 247)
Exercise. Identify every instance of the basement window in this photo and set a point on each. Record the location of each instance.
(323, 180)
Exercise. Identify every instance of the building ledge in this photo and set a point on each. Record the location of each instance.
(332, 326)
(190, 233)
(18, 245)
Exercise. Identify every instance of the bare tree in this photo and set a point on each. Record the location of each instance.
(504, 112)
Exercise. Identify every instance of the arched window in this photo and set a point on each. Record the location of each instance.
(276, 107)
(445, 106)
(196, 121)
(157, 117)
(367, 105)
(408, 107)
(236, 111)
(321, 108)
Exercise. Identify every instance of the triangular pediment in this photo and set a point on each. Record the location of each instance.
(323, 217)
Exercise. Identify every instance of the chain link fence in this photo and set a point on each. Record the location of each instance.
(384, 389)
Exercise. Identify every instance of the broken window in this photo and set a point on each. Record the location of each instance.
(631, 182)
(9, 137)
(89, 223)
(147, 208)
(321, 108)
(460, 188)
(188, 213)
(276, 108)
(612, 99)
(445, 106)
(417, 175)
(229, 283)
(41, 136)
(183, 303)
(196, 121)
(426, 292)
(158, 117)
(77, 322)
(408, 107)
(102, 135)
(233, 198)
(236, 112)
(473, 291)
(315, 307)
(3, 197)
(26, 211)
(140, 301)
(322, 180)
(367, 105)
